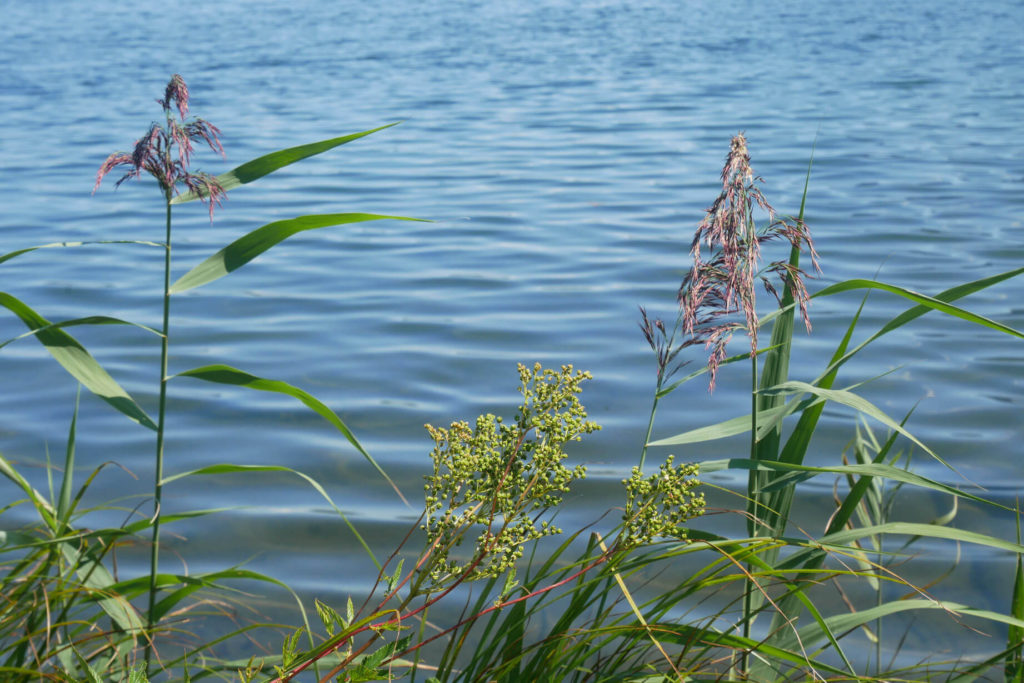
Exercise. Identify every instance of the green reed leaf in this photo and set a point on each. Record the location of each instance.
(95, 576)
(224, 374)
(852, 400)
(77, 361)
(264, 165)
(1014, 659)
(808, 636)
(245, 249)
(88, 320)
(865, 470)
(19, 252)
(924, 300)
(721, 430)
(228, 468)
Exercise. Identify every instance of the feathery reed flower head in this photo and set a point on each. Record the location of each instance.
(722, 282)
(165, 151)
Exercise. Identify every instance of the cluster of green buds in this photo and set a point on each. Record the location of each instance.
(502, 478)
(658, 506)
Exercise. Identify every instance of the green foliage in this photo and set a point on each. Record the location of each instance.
(611, 607)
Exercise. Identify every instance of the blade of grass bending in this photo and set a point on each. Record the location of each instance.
(95, 577)
(1015, 638)
(223, 374)
(937, 303)
(77, 361)
(852, 620)
(89, 320)
(192, 583)
(721, 430)
(248, 247)
(841, 539)
(268, 163)
(951, 294)
(858, 403)
(227, 468)
(19, 252)
(867, 470)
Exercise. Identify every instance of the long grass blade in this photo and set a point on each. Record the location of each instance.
(936, 303)
(809, 635)
(19, 252)
(852, 400)
(1015, 638)
(77, 361)
(227, 468)
(248, 247)
(67, 481)
(88, 320)
(224, 374)
(268, 163)
(863, 470)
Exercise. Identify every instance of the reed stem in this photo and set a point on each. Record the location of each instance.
(154, 556)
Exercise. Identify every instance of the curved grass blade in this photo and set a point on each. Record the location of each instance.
(224, 374)
(924, 300)
(840, 540)
(844, 622)
(88, 320)
(865, 470)
(721, 430)
(852, 400)
(19, 252)
(77, 361)
(96, 577)
(246, 248)
(268, 163)
(227, 468)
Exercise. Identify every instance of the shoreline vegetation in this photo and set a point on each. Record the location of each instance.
(536, 602)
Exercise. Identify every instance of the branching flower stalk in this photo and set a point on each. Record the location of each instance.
(722, 284)
(165, 152)
(496, 483)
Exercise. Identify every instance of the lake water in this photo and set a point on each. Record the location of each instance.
(565, 152)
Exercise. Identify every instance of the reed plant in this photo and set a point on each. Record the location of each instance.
(650, 596)
(57, 568)
(595, 610)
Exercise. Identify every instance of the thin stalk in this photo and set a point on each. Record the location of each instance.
(650, 427)
(754, 483)
(154, 555)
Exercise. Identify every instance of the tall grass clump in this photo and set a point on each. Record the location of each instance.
(668, 601)
(644, 594)
(57, 569)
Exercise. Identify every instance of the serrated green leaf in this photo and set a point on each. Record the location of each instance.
(77, 361)
(248, 247)
(268, 163)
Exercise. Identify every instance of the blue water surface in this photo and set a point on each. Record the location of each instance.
(565, 151)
